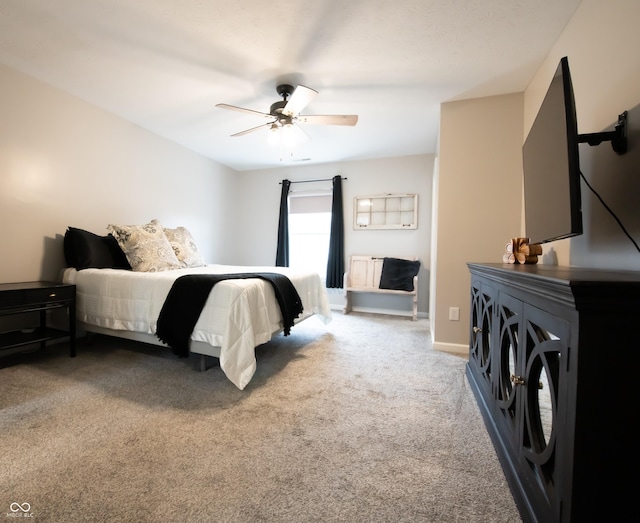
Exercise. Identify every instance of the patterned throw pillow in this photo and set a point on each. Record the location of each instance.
(184, 246)
(145, 246)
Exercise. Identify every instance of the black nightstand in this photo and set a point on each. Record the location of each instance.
(38, 296)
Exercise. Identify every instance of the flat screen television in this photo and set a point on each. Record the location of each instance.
(552, 201)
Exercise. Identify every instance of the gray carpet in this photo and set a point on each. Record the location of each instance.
(356, 421)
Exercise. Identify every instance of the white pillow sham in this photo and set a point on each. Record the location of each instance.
(146, 247)
(184, 246)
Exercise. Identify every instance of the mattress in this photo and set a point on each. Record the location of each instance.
(238, 316)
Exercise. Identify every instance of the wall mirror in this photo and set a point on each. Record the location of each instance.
(386, 211)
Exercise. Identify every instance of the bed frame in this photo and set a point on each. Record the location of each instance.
(196, 347)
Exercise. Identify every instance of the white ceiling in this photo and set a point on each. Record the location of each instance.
(165, 64)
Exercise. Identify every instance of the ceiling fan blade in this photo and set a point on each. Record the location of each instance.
(247, 131)
(335, 119)
(299, 99)
(243, 110)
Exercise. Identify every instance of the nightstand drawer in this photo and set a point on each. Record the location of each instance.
(35, 293)
(51, 295)
(40, 297)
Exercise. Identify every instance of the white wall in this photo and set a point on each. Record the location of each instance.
(66, 163)
(601, 42)
(260, 199)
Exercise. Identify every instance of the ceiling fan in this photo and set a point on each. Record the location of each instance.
(286, 112)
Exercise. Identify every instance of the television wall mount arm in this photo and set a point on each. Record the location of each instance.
(617, 137)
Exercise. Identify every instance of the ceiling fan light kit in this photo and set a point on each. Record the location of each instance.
(285, 114)
(284, 135)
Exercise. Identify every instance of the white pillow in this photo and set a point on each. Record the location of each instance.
(184, 246)
(145, 246)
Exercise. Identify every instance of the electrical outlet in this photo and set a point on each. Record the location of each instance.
(454, 313)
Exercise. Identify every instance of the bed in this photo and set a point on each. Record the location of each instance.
(238, 315)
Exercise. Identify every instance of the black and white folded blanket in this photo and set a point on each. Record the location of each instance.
(189, 293)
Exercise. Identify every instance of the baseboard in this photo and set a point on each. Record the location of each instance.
(454, 348)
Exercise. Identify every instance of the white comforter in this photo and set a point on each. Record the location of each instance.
(239, 314)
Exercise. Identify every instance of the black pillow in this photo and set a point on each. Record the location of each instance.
(398, 274)
(85, 250)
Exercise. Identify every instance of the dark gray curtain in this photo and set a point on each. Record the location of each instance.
(335, 263)
(282, 252)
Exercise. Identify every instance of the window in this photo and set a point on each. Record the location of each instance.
(309, 230)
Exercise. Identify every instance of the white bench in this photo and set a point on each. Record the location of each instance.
(364, 276)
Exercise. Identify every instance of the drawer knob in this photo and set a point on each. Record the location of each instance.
(52, 295)
(517, 380)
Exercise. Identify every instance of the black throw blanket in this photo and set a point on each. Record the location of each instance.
(188, 294)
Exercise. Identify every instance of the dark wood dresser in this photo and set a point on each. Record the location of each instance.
(552, 363)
